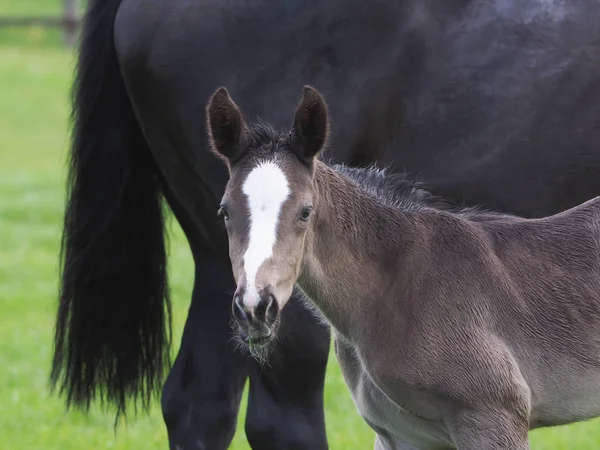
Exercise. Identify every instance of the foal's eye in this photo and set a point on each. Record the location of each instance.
(223, 212)
(305, 214)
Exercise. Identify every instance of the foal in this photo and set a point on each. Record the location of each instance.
(454, 329)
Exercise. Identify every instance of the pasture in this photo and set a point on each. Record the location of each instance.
(35, 74)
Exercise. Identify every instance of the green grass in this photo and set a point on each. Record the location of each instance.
(34, 36)
(34, 82)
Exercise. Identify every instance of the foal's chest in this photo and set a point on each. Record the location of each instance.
(396, 427)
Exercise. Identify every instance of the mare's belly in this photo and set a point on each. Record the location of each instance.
(396, 428)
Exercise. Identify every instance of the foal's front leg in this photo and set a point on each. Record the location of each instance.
(489, 430)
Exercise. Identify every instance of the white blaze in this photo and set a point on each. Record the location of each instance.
(266, 189)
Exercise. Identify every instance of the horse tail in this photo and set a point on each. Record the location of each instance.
(112, 334)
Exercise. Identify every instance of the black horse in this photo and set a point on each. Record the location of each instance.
(492, 102)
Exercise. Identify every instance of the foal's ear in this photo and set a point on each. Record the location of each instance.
(311, 125)
(225, 126)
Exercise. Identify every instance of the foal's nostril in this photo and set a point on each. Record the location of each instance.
(272, 309)
(267, 309)
(260, 311)
(238, 311)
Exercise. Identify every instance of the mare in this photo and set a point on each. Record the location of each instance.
(454, 328)
(454, 91)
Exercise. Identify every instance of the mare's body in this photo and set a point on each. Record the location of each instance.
(491, 101)
(454, 328)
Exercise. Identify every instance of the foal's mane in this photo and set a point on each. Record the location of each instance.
(398, 191)
(391, 189)
(395, 190)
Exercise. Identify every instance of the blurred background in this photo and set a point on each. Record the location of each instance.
(36, 65)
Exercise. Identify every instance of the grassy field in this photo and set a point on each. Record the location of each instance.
(34, 80)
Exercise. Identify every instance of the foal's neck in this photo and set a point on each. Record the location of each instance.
(353, 245)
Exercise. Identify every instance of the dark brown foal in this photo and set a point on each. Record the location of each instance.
(454, 328)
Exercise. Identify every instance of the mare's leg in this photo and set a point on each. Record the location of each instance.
(202, 393)
(489, 430)
(285, 404)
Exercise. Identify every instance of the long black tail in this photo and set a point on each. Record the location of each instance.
(113, 323)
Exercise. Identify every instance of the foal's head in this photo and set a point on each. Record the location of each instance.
(267, 205)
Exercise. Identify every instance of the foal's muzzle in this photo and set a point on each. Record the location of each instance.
(256, 323)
